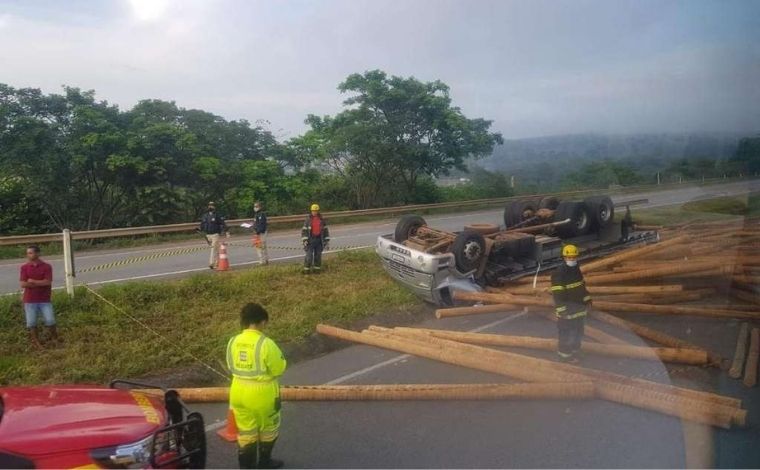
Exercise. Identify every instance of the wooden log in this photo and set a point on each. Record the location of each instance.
(683, 356)
(652, 334)
(603, 290)
(688, 404)
(589, 331)
(475, 310)
(632, 253)
(675, 269)
(672, 310)
(737, 366)
(746, 296)
(521, 391)
(686, 296)
(750, 371)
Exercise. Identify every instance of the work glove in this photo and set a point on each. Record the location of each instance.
(305, 244)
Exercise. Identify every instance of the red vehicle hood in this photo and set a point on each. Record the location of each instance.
(45, 420)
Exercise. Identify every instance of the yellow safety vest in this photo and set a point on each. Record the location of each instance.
(253, 356)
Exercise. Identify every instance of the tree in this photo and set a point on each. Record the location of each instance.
(395, 130)
(747, 157)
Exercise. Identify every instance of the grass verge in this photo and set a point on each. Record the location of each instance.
(722, 208)
(196, 315)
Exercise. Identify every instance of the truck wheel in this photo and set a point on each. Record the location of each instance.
(601, 210)
(407, 227)
(483, 229)
(580, 222)
(468, 248)
(518, 211)
(508, 219)
(548, 202)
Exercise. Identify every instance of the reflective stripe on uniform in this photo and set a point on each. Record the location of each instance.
(582, 313)
(560, 309)
(557, 288)
(246, 374)
(587, 298)
(574, 285)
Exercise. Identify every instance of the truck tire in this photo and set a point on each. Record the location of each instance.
(508, 220)
(483, 229)
(515, 211)
(548, 202)
(407, 227)
(601, 210)
(468, 248)
(580, 222)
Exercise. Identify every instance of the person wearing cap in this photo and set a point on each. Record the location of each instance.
(571, 302)
(213, 226)
(315, 238)
(260, 232)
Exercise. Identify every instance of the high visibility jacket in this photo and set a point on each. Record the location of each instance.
(569, 291)
(253, 356)
(307, 229)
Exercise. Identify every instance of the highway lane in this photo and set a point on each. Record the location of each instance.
(288, 243)
(499, 434)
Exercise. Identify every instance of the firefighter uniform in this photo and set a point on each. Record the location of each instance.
(256, 363)
(571, 301)
(315, 237)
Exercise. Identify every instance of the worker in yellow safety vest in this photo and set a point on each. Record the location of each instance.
(256, 363)
(571, 302)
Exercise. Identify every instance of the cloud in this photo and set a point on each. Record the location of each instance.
(535, 68)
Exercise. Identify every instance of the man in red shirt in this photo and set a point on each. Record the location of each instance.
(315, 237)
(36, 280)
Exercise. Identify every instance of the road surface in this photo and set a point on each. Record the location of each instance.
(354, 235)
(499, 434)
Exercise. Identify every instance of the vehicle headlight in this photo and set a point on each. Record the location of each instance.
(135, 455)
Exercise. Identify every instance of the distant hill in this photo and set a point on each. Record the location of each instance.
(519, 153)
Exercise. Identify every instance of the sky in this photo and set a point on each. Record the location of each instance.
(539, 67)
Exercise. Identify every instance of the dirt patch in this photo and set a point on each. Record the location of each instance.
(315, 345)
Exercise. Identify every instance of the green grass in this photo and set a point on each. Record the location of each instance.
(196, 315)
(722, 208)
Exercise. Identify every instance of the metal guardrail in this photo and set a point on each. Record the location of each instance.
(187, 227)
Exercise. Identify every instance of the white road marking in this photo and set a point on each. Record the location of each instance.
(388, 362)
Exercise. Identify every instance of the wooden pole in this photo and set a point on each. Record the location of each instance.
(675, 269)
(688, 404)
(750, 371)
(603, 290)
(593, 333)
(651, 334)
(475, 310)
(678, 355)
(632, 253)
(737, 366)
(521, 391)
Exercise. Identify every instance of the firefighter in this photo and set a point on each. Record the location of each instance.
(212, 226)
(256, 363)
(315, 237)
(571, 302)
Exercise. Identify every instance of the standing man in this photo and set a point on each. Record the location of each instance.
(260, 232)
(256, 364)
(315, 237)
(36, 280)
(213, 225)
(571, 302)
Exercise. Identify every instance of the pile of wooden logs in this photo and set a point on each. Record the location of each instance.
(698, 406)
(682, 275)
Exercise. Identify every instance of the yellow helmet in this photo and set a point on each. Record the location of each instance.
(314, 207)
(569, 251)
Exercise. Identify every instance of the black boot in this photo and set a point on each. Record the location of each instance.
(248, 456)
(265, 459)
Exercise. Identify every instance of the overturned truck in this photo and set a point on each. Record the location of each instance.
(432, 262)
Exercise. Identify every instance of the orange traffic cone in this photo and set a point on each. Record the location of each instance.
(224, 262)
(230, 432)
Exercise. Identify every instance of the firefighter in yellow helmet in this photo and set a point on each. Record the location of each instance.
(571, 302)
(256, 363)
(315, 237)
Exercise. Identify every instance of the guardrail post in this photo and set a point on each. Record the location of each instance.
(68, 262)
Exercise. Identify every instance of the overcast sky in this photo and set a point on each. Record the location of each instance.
(534, 67)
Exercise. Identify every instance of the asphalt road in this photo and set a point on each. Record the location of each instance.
(499, 434)
(343, 236)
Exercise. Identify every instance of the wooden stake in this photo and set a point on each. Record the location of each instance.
(737, 366)
(750, 371)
